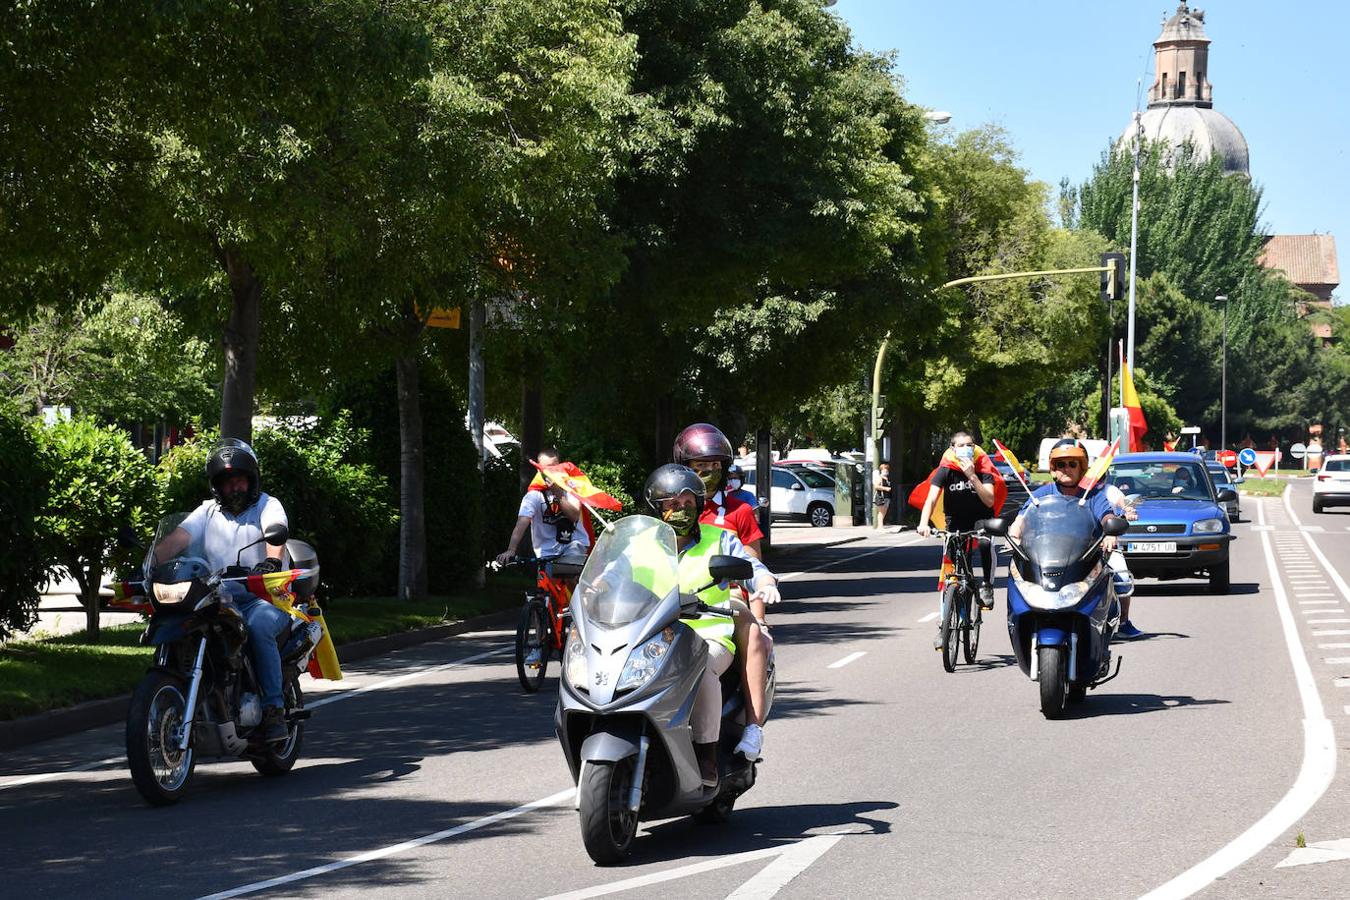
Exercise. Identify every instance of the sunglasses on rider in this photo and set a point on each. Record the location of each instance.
(1065, 464)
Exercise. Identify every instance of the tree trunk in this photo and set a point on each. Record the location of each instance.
(412, 534)
(477, 378)
(241, 347)
(531, 424)
(87, 579)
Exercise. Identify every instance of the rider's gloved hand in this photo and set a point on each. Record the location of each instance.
(768, 595)
(266, 567)
(924, 530)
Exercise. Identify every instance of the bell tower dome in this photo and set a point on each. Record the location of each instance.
(1181, 64)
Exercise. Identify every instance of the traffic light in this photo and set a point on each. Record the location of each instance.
(1113, 279)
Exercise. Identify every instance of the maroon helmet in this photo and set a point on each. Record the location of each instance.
(702, 441)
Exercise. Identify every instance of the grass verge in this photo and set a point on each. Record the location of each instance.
(1263, 487)
(48, 673)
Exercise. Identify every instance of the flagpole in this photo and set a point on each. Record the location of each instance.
(1134, 223)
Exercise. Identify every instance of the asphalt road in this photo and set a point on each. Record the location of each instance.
(884, 776)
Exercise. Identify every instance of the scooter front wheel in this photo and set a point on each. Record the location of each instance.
(607, 824)
(1052, 663)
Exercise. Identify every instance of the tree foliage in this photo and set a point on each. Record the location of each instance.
(24, 479)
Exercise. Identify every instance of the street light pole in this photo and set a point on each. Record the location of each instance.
(1223, 389)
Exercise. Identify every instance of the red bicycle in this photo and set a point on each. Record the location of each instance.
(542, 629)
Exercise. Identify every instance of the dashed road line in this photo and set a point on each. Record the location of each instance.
(852, 657)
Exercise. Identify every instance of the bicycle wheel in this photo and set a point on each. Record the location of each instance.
(951, 626)
(532, 645)
(970, 633)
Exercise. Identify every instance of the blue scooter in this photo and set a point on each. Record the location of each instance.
(1062, 608)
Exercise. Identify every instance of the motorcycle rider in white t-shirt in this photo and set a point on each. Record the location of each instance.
(220, 527)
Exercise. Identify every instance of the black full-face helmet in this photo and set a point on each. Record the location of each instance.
(232, 456)
(669, 481)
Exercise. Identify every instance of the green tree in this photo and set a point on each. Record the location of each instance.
(100, 482)
(24, 486)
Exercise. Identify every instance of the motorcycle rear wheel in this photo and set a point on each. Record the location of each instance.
(951, 626)
(1052, 663)
(608, 826)
(278, 759)
(159, 769)
(532, 634)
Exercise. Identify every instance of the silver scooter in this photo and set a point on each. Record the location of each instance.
(631, 670)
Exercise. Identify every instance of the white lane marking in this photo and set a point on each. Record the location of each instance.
(1320, 612)
(1314, 776)
(799, 850)
(48, 776)
(1337, 660)
(1315, 529)
(1342, 682)
(837, 562)
(1318, 852)
(1331, 632)
(1319, 603)
(1329, 621)
(930, 617)
(791, 863)
(852, 657)
(1333, 646)
(393, 849)
(1263, 527)
(407, 676)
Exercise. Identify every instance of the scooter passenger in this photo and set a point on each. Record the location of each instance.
(676, 495)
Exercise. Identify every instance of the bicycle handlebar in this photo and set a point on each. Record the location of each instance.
(520, 561)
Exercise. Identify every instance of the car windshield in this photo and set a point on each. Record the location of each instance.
(1057, 532)
(1337, 465)
(1161, 480)
(815, 479)
(1220, 476)
(633, 568)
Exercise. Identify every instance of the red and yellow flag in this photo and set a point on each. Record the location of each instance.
(571, 479)
(1138, 427)
(275, 586)
(1097, 470)
(983, 465)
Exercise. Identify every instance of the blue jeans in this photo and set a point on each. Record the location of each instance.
(265, 623)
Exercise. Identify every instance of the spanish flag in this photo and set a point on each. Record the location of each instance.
(567, 476)
(275, 586)
(983, 465)
(1138, 427)
(1097, 470)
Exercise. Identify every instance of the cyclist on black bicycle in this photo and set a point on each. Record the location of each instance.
(967, 492)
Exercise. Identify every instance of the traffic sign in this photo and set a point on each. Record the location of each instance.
(1227, 457)
(1198, 450)
(1297, 451)
(1314, 449)
(1264, 460)
(1247, 456)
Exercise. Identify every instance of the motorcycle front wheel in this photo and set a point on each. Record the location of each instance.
(159, 769)
(607, 824)
(1052, 663)
(278, 759)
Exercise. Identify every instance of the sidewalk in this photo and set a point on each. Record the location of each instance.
(60, 612)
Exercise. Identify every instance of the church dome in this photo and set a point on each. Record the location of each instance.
(1212, 133)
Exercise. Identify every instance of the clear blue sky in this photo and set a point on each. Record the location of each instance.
(1060, 78)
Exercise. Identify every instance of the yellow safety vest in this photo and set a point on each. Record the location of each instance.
(694, 574)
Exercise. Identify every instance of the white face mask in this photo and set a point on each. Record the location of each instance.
(734, 484)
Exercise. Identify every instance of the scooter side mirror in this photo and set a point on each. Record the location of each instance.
(1115, 526)
(996, 527)
(730, 568)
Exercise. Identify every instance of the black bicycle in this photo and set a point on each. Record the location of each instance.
(961, 614)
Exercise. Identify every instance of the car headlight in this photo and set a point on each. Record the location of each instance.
(1208, 526)
(645, 660)
(574, 660)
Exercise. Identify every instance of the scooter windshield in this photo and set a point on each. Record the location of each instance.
(1058, 532)
(633, 568)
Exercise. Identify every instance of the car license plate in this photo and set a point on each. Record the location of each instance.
(1151, 547)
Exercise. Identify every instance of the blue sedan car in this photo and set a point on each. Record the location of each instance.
(1182, 530)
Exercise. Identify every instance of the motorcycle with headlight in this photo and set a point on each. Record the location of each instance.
(201, 697)
(631, 670)
(1062, 608)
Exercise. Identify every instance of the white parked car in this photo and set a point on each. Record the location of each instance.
(799, 494)
(1331, 486)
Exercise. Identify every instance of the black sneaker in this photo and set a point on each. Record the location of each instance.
(986, 597)
(274, 725)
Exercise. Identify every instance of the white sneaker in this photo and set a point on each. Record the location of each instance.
(752, 741)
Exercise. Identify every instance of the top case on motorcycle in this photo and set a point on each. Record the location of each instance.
(302, 556)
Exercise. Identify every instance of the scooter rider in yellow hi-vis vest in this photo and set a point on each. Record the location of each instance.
(676, 495)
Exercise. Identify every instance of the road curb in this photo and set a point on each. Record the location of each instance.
(97, 713)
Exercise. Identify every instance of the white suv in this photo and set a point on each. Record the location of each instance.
(1331, 486)
(799, 493)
